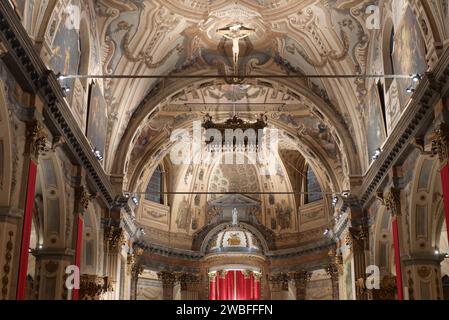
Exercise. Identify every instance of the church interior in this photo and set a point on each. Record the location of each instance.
(224, 150)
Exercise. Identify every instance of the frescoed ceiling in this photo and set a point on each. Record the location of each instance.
(180, 37)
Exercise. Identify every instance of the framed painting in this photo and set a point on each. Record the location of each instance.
(97, 120)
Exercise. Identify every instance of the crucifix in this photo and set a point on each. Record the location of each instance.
(235, 32)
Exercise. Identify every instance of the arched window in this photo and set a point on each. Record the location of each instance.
(313, 188)
(155, 187)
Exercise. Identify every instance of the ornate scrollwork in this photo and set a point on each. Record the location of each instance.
(85, 198)
(93, 286)
(387, 290)
(114, 236)
(300, 277)
(187, 279)
(440, 142)
(38, 138)
(168, 278)
(392, 201)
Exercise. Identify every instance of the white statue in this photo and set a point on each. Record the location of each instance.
(235, 217)
(235, 33)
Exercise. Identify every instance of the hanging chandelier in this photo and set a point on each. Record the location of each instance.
(234, 134)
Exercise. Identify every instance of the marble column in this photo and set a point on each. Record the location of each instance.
(212, 285)
(36, 143)
(114, 240)
(392, 202)
(422, 274)
(440, 146)
(333, 271)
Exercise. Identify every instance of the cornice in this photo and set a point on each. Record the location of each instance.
(191, 255)
(415, 119)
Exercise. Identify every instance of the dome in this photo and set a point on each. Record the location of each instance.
(234, 239)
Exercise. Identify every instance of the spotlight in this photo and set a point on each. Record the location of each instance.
(97, 154)
(59, 76)
(29, 250)
(135, 200)
(410, 90)
(437, 252)
(346, 193)
(416, 77)
(326, 231)
(376, 154)
(142, 231)
(334, 200)
(41, 246)
(66, 89)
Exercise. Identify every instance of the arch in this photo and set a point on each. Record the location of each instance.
(156, 184)
(118, 159)
(90, 260)
(425, 204)
(214, 231)
(383, 254)
(53, 201)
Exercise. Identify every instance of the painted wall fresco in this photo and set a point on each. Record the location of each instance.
(65, 48)
(98, 120)
(409, 54)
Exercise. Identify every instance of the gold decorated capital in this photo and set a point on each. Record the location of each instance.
(38, 139)
(85, 198)
(114, 236)
(212, 275)
(300, 277)
(393, 202)
(92, 286)
(440, 142)
(168, 278)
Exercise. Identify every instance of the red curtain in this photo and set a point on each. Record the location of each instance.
(26, 230)
(234, 286)
(445, 186)
(397, 257)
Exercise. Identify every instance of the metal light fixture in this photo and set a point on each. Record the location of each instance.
(135, 200)
(377, 154)
(346, 193)
(416, 77)
(97, 154)
(334, 200)
(234, 123)
(410, 90)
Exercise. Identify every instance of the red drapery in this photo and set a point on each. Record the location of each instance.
(445, 186)
(397, 257)
(234, 285)
(26, 230)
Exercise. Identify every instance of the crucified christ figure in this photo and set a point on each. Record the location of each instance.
(235, 32)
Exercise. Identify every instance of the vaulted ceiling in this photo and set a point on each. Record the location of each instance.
(178, 37)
